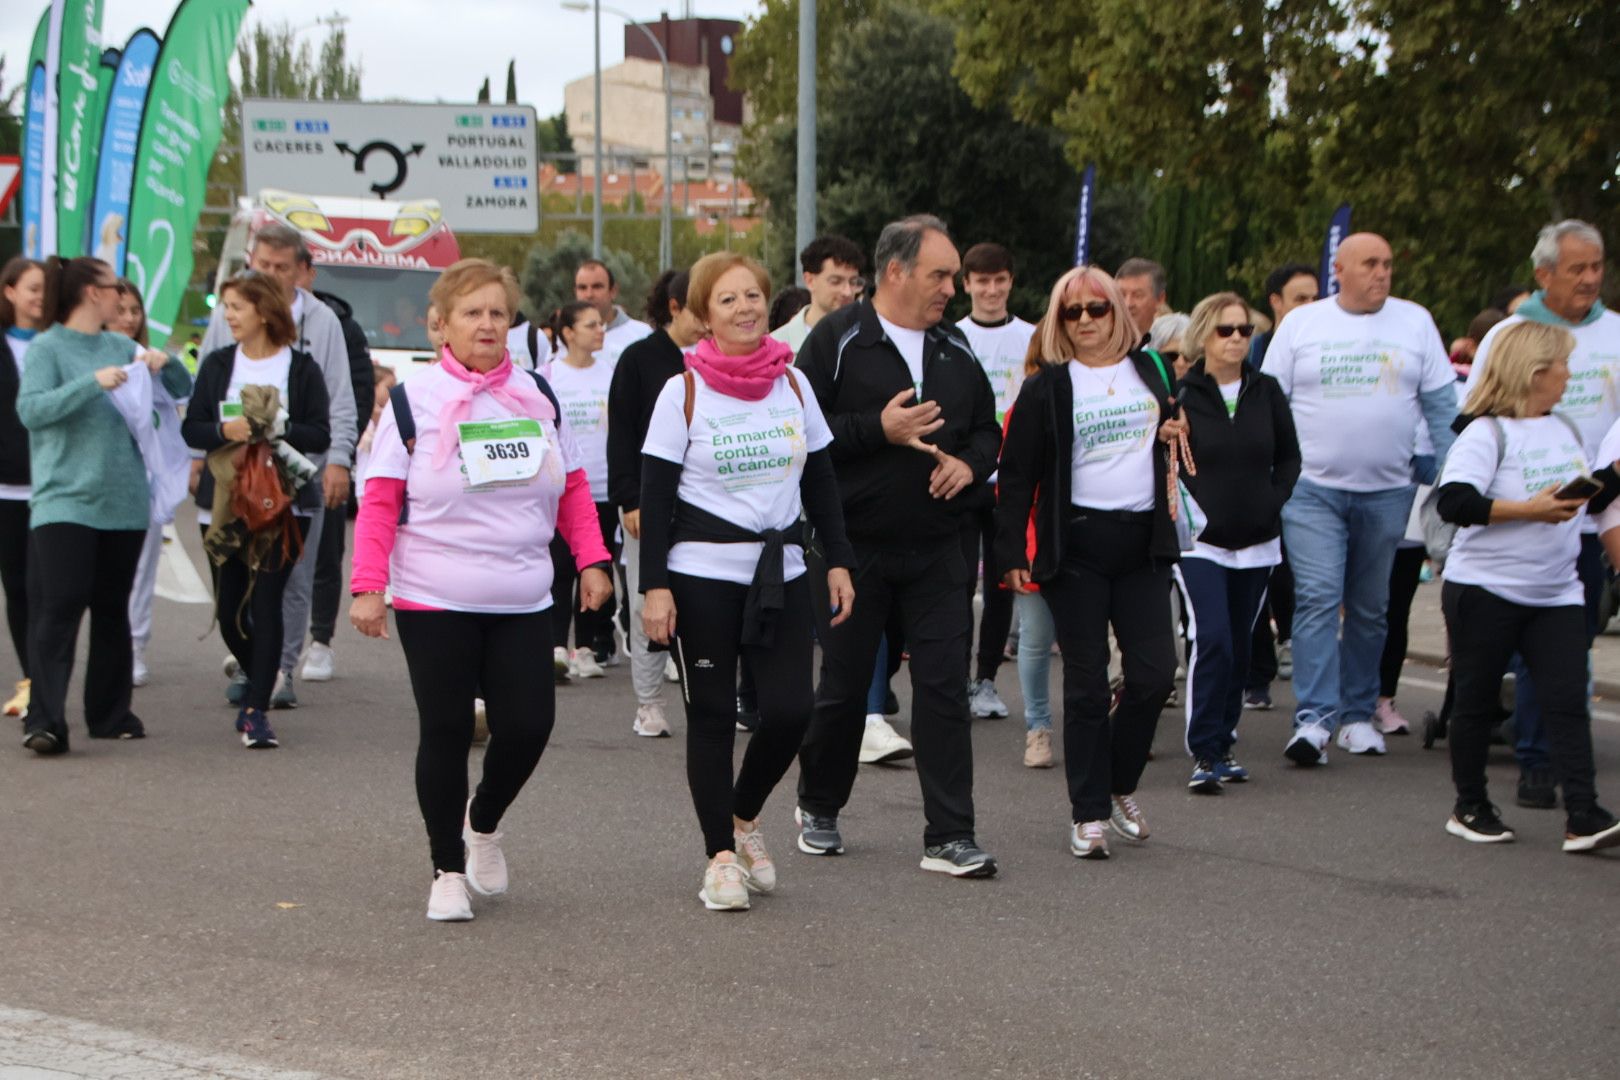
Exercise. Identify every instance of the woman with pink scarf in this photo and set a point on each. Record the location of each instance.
(472, 472)
(736, 450)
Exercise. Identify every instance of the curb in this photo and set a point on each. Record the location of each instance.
(1602, 688)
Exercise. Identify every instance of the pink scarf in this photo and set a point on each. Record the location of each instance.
(522, 396)
(748, 377)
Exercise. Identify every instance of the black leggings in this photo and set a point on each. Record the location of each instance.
(454, 656)
(995, 623)
(14, 573)
(71, 568)
(248, 607)
(1403, 586)
(327, 594)
(592, 629)
(708, 632)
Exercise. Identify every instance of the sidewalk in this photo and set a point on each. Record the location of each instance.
(1426, 642)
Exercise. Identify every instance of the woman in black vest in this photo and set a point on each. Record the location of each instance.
(22, 316)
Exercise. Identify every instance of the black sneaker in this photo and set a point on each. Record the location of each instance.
(1479, 823)
(130, 727)
(959, 858)
(44, 742)
(1591, 829)
(1537, 790)
(818, 835)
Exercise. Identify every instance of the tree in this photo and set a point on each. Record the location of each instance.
(927, 148)
(548, 274)
(766, 63)
(511, 82)
(12, 104)
(483, 92)
(551, 137)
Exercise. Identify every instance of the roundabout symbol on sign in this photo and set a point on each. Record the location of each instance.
(380, 146)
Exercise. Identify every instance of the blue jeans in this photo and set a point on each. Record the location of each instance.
(1224, 605)
(1531, 746)
(1341, 545)
(1035, 636)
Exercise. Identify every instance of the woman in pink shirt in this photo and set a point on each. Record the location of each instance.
(468, 482)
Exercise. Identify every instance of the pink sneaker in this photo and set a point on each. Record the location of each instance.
(1389, 719)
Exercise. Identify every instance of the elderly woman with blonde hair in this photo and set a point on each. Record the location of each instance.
(1083, 449)
(1516, 484)
(472, 472)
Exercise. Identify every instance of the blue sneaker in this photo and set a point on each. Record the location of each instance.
(1205, 779)
(255, 729)
(1230, 771)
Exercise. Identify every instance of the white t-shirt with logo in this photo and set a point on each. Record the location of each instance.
(273, 370)
(485, 550)
(1525, 562)
(1353, 382)
(910, 344)
(619, 336)
(1608, 453)
(1116, 418)
(1592, 398)
(793, 332)
(741, 461)
(1000, 350)
(583, 395)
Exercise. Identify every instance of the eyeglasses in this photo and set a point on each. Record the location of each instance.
(1097, 309)
(1245, 329)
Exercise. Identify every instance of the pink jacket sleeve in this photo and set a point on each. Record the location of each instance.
(374, 530)
(577, 523)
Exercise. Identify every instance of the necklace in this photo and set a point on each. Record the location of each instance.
(1109, 385)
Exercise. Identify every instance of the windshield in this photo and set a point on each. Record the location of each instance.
(390, 305)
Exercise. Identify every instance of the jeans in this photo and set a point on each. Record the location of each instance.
(1341, 545)
(144, 590)
(1531, 748)
(1224, 605)
(1035, 637)
(878, 692)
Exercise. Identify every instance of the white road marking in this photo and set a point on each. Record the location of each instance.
(38, 1046)
(1430, 684)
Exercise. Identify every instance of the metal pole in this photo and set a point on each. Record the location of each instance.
(666, 228)
(596, 125)
(805, 230)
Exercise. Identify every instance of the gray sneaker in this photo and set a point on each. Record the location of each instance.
(959, 858)
(985, 703)
(237, 689)
(818, 835)
(282, 697)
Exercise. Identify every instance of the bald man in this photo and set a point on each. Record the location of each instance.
(1363, 372)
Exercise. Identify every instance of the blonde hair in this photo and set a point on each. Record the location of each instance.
(710, 269)
(1056, 344)
(1516, 355)
(470, 275)
(1204, 318)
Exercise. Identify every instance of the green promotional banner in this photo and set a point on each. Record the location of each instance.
(179, 134)
(33, 179)
(78, 125)
(92, 156)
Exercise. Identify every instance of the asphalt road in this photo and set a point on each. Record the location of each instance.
(184, 894)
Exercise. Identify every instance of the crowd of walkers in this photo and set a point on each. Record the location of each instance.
(706, 496)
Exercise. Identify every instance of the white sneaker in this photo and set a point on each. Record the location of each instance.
(562, 664)
(671, 672)
(486, 866)
(756, 861)
(585, 665)
(449, 902)
(724, 887)
(984, 703)
(1308, 745)
(1087, 840)
(318, 663)
(140, 675)
(650, 721)
(1361, 738)
(881, 742)
(1127, 818)
(230, 667)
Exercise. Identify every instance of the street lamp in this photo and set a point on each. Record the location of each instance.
(666, 241)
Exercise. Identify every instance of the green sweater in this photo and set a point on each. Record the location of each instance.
(86, 467)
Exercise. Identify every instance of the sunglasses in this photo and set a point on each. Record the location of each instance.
(1246, 330)
(1097, 309)
(1170, 355)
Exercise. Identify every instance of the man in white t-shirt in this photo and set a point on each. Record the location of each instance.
(832, 268)
(1000, 341)
(1361, 371)
(1568, 262)
(595, 284)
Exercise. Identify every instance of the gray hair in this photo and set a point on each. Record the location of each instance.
(1138, 267)
(1166, 328)
(901, 241)
(1544, 256)
(282, 238)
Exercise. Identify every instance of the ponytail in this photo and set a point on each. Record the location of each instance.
(671, 285)
(66, 281)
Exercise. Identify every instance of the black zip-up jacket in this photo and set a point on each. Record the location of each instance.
(361, 376)
(1037, 471)
(1247, 462)
(644, 367)
(854, 370)
(13, 436)
(309, 429)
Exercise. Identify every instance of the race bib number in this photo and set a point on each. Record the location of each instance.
(501, 453)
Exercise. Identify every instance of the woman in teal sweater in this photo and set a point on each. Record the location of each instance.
(90, 505)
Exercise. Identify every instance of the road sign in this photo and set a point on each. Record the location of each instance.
(478, 161)
(10, 174)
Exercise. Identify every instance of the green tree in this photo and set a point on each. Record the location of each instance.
(552, 138)
(511, 82)
(548, 274)
(11, 112)
(765, 65)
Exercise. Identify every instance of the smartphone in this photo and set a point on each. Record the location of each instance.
(1582, 488)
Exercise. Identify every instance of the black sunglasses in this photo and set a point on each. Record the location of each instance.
(1246, 330)
(1097, 309)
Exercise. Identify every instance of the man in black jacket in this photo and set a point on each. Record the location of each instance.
(328, 590)
(914, 426)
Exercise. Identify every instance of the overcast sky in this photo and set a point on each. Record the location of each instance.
(421, 50)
